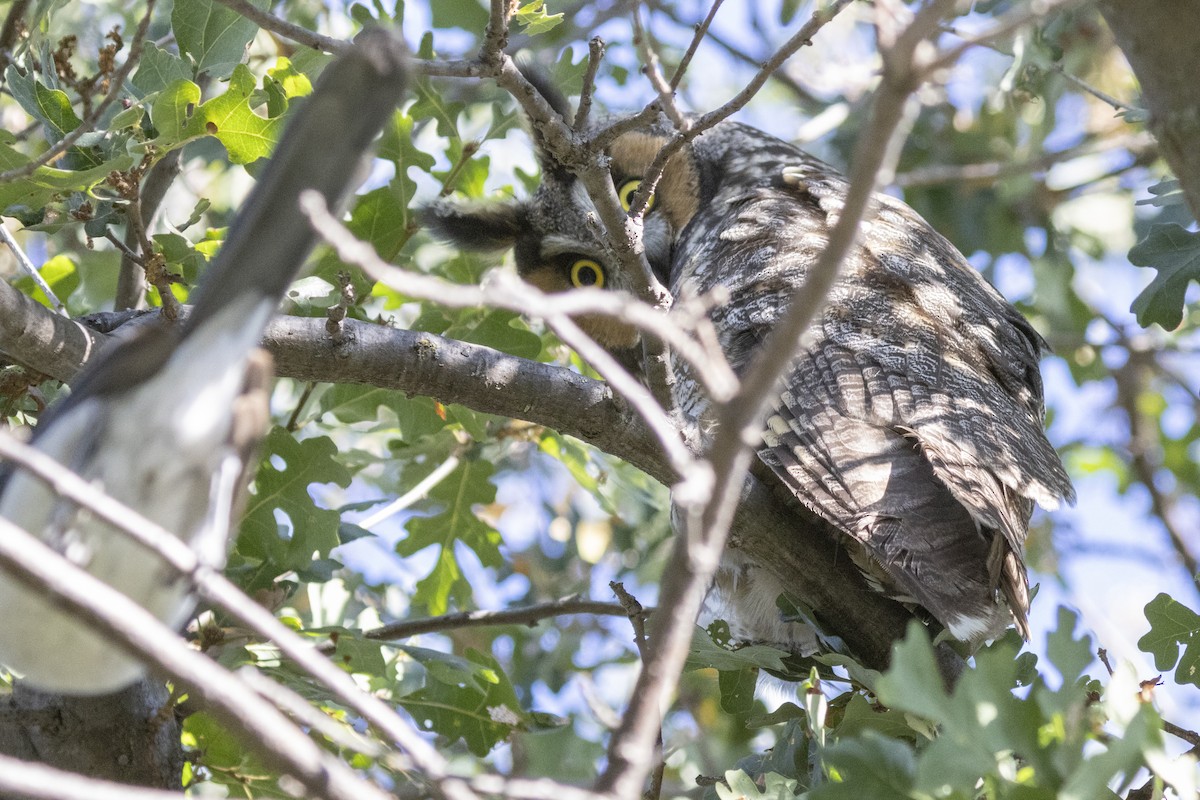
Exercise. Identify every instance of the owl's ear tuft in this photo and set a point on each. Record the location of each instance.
(476, 226)
(542, 80)
(543, 83)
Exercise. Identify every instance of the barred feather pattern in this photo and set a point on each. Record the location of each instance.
(912, 418)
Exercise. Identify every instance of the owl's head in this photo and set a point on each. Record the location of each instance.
(557, 236)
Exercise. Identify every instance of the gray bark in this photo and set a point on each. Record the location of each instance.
(130, 736)
(1161, 40)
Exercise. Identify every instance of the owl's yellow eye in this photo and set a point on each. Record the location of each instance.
(586, 272)
(627, 190)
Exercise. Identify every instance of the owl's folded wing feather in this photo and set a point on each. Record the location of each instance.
(912, 421)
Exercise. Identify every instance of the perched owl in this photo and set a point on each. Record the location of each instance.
(909, 428)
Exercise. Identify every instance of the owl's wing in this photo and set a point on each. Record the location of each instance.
(912, 420)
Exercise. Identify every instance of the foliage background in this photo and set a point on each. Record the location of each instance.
(1031, 157)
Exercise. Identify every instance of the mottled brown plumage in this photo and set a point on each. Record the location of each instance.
(909, 427)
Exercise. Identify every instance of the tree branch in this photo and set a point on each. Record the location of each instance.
(22, 780)
(224, 594)
(527, 615)
(256, 722)
(1156, 42)
(287, 30)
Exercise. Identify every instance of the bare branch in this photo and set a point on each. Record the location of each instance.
(1131, 379)
(114, 91)
(1138, 143)
(22, 780)
(1014, 20)
(701, 32)
(286, 29)
(48, 343)
(650, 68)
(527, 615)
(495, 38)
(595, 55)
(29, 269)
(131, 278)
(780, 74)
(1191, 737)
(256, 722)
(8, 33)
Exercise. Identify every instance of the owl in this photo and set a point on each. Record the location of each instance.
(908, 429)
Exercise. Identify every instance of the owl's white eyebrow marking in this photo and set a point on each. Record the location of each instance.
(557, 245)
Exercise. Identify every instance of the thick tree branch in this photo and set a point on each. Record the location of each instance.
(1158, 44)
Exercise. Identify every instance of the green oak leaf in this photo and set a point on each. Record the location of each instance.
(532, 17)
(51, 107)
(456, 521)
(313, 530)
(476, 704)
(870, 766)
(246, 136)
(740, 786)
(1174, 252)
(60, 274)
(157, 69)
(215, 37)
(706, 653)
(45, 185)
(1173, 626)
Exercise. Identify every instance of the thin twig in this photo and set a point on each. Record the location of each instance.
(780, 74)
(417, 493)
(1143, 443)
(127, 252)
(29, 269)
(131, 283)
(286, 29)
(701, 32)
(637, 619)
(526, 615)
(117, 83)
(595, 55)
(800, 39)
(31, 781)
(306, 715)
(1191, 737)
(1093, 91)
(294, 419)
(1018, 18)
(650, 68)
(987, 172)
(8, 33)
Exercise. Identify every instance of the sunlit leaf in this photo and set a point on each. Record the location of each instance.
(1173, 627)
